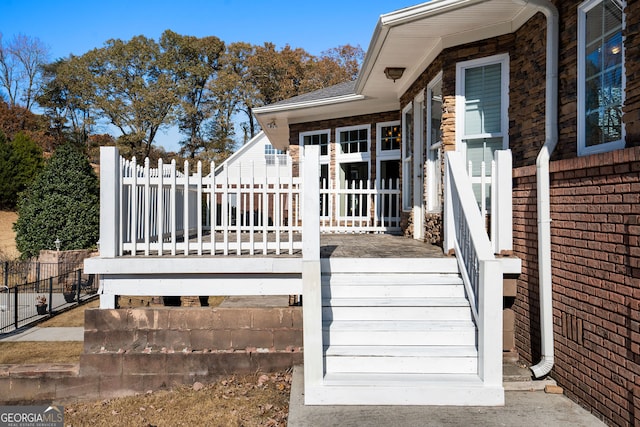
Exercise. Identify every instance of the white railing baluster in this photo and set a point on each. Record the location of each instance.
(252, 184)
(185, 202)
(174, 196)
(199, 206)
(160, 206)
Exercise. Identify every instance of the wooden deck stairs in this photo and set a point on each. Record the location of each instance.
(397, 331)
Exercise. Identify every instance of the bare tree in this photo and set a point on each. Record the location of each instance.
(21, 60)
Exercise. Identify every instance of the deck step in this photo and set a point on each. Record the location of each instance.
(403, 389)
(367, 301)
(340, 311)
(367, 278)
(402, 359)
(395, 332)
(390, 291)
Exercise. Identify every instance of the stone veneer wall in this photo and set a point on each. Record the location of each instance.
(129, 351)
(595, 242)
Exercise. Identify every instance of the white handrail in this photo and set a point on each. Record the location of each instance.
(481, 272)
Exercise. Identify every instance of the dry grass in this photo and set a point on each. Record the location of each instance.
(253, 400)
(8, 249)
(247, 400)
(70, 318)
(30, 352)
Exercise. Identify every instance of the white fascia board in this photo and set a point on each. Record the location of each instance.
(400, 17)
(307, 104)
(192, 265)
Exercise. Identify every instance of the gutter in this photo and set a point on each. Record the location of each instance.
(543, 191)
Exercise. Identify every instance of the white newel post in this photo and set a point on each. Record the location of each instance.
(311, 292)
(490, 311)
(109, 213)
(502, 211)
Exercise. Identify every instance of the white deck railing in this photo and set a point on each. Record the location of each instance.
(360, 207)
(481, 272)
(163, 210)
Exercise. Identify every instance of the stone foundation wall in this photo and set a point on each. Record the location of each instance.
(129, 351)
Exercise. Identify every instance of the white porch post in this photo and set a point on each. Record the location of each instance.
(449, 221)
(109, 213)
(502, 209)
(311, 292)
(490, 322)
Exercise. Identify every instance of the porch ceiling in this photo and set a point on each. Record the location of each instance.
(413, 37)
(410, 38)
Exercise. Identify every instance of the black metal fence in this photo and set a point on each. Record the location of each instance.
(32, 290)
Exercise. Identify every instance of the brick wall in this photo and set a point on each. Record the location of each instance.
(595, 238)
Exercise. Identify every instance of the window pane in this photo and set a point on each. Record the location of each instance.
(482, 99)
(390, 138)
(603, 71)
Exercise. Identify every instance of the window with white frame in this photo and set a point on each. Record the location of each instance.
(407, 157)
(600, 76)
(272, 156)
(321, 139)
(388, 143)
(434, 144)
(482, 101)
(316, 138)
(353, 168)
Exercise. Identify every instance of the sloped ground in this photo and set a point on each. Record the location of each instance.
(8, 249)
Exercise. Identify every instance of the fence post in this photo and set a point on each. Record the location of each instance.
(50, 294)
(15, 306)
(6, 273)
(78, 283)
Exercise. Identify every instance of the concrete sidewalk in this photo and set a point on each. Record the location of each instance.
(36, 333)
(522, 409)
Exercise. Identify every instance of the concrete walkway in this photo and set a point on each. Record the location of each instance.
(522, 409)
(45, 334)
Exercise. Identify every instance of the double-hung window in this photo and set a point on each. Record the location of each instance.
(600, 76)
(482, 101)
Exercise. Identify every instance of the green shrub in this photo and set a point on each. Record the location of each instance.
(61, 203)
(20, 162)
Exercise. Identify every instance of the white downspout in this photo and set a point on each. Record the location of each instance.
(543, 192)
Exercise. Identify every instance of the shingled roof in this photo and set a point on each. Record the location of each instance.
(341, 89)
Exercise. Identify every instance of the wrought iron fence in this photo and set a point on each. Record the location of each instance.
(29, 301)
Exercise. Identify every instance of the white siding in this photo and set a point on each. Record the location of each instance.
(252, 156)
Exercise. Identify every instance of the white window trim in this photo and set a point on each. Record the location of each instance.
(323, 158)
(583, 150)
(353, 157)
(433, 198)
(386, 154)
(350, 158)
(461, 67)
(407, 204)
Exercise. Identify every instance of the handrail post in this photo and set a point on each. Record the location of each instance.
(110, 202)
(502, 194)
(51, 294)
(311, 280)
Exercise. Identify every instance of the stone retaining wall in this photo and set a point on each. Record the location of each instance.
(129, 351)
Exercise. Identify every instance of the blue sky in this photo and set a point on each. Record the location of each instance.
(75, 27)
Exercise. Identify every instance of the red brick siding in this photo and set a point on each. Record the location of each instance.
(595, 237)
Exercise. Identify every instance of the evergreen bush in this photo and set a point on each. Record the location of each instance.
(61, 203)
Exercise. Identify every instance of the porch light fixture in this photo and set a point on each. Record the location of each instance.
(57, 243)
(394, 73)
(272, 124)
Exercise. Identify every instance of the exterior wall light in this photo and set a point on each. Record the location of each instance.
(394, 73)
(57, 243)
